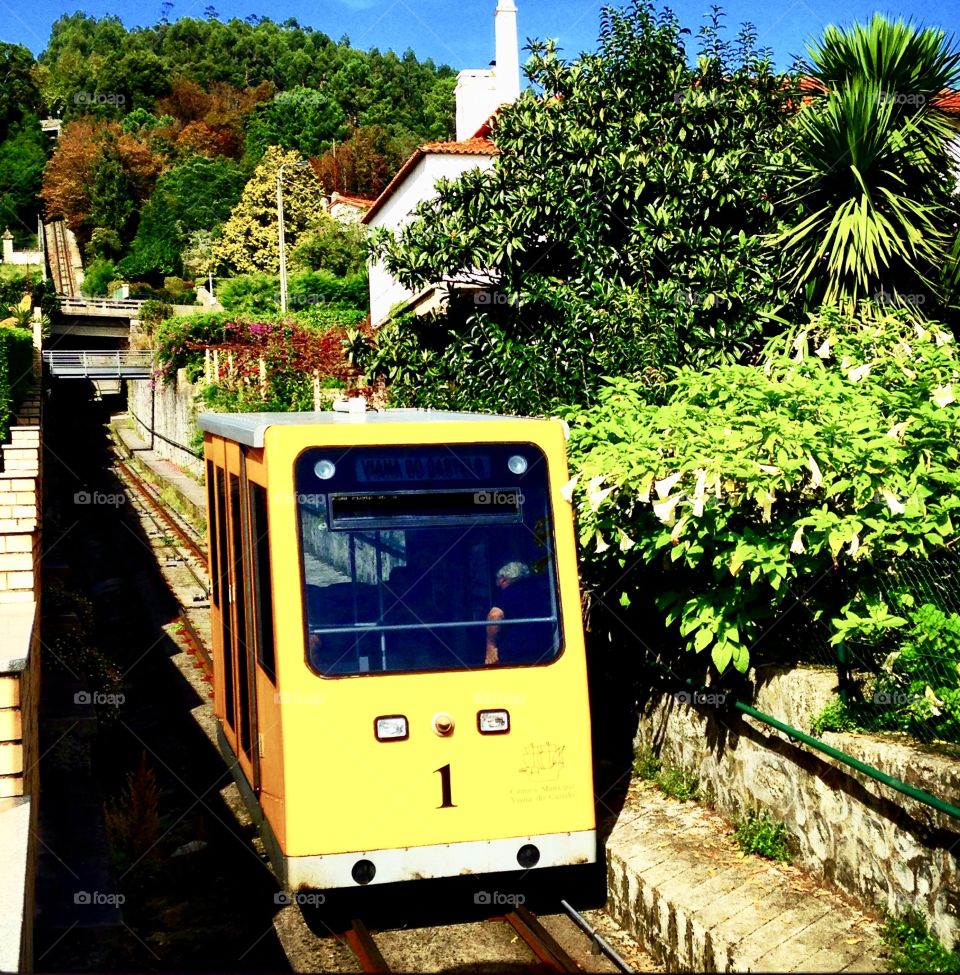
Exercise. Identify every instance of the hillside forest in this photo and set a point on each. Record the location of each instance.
(165, 126)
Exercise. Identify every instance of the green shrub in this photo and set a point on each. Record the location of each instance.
(833, 459)
(760, 834)
(915, 949)
(16, 372)
(679, 782)
(97, 278)
(646, 765)
(835, 716)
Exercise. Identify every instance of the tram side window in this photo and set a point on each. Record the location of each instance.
(214, 547)
(263, 593)
(226, 629)
(425, 579)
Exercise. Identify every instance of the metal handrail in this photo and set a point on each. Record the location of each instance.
(920, 795)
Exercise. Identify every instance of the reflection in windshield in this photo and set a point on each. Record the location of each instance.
(469, 569)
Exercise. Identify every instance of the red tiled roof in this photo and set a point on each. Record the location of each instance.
(465, 147)
(947, 101)
(351, 201)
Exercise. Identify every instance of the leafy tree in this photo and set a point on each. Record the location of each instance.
(20, 93)
(98, 277)
(250, 239)
(365, 162)
(872, 177)
(140, 120)
(332, 246)
(99, 176)
(300, 119)
(621, 225)
(23, 154)
(197, 195)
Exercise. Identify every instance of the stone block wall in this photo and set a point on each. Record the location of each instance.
(889, 851)
(171, 411)
(20, 554)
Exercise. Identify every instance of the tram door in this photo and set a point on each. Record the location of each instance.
(234, 562)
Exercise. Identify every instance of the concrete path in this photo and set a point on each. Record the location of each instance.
(682, 887)
(164, 472)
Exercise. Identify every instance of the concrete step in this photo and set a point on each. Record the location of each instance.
(682, 887)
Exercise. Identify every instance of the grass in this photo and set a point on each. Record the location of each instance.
(915, 949)
(676, 781)
(765, 837)
(646, 765)
(835, 716)
(679, 782)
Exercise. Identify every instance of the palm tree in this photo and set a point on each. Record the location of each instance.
(872, 206)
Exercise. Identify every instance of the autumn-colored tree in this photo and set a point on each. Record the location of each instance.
(365, 162)
(187, 101)
(250, 239)
(198, 138)
(67, 177)
(96, 168)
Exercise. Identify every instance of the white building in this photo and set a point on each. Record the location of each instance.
(479, 94)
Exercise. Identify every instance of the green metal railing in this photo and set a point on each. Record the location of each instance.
(921, 795)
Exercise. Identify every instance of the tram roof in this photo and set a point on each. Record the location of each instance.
(249, 428)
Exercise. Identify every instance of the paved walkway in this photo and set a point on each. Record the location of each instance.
(679, 883)
(163, 469)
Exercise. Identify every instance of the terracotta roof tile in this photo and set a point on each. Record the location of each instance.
(465, 147)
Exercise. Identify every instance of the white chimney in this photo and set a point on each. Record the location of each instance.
(508, 52)
(481, 92)
(476, 101)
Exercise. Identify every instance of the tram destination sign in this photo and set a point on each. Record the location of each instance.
(422, 467)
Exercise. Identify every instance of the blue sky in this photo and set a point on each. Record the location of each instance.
(460, 33)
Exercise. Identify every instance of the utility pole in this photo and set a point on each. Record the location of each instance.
(302, 164)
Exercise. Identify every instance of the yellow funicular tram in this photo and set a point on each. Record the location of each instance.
(397, 642)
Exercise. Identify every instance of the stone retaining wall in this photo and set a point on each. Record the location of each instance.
(20, 554)
(171, 411)
(886, 849)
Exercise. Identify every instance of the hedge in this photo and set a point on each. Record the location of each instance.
(16, 372)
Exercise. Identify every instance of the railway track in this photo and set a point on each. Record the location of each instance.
(182, 545)
(60, 265)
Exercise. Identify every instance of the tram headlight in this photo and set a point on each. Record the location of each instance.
(493, 722)
(391, 727)
(517, 464)
(324, 469)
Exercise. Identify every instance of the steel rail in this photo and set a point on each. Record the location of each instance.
(540, 941)
(604, 946)
(361, 943)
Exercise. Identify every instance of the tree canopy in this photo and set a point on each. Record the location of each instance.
(622, 222)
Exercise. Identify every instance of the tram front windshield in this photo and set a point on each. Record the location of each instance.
(427, 558)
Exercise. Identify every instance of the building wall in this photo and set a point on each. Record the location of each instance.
(420, 185)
